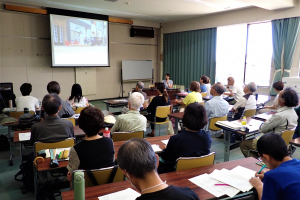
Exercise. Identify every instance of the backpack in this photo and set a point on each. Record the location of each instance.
(6, 119)
(27, 175)
(29, 118)
(4, 143)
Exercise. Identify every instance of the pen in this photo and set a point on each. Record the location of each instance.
(222, 184)
(260, 164)
(261, 169)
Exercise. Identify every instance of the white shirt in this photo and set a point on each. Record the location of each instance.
(285, 119)
(27, 102)
(82, 103)
(237, 90)
(208, 87)
(275, 102)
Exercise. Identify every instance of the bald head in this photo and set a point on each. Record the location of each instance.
(230, 81)
(217, 89)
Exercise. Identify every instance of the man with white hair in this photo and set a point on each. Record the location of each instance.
(246, 102)
(132, 120)
(235, 90)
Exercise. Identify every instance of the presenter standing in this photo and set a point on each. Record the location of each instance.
(168, 83)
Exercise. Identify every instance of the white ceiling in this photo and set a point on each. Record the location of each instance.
(155, 10)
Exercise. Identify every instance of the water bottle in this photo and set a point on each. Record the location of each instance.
(244, 124)
(106, 133)
(79, 186)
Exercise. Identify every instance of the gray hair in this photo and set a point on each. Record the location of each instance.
(252, 86)
(140, 84)
(219, 87)
(51, 103)
(137, 157)
(136, 100)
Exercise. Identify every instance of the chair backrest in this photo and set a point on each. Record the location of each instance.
(163, 111)
(203, 94)
(184, 163)
(151, 86)
(72, 120)
(18, 113)
(78, 110)
(201, 103)
(122, 136)
(102, 176)
(213, 121)
(38, 146)
(250, 113)
(287, 136)
(151, 99)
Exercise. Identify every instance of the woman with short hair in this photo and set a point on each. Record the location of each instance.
(26, 101)
(76, 99)
(95, 151)
(190, 142)
(194, 96)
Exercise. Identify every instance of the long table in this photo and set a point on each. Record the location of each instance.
(179, 179)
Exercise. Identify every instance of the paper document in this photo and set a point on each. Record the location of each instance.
(244, 172)
(263, 116)
(24, 136)
(232, 125)
(156, 148)
(232, 179)
(128, 194)
(207, 183)
(165, 141)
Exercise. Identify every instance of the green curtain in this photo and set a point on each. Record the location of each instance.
(189, 55)
(292, 31)
(277, 37)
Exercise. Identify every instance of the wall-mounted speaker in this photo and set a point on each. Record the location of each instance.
(140, 32)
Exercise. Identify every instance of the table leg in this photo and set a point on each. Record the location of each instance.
(10, 148)
(227, 135)
(176, 126)
(107, 107)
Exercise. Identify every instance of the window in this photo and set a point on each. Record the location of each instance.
(241, 45)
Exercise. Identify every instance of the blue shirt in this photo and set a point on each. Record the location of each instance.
(203, 88)
(283, 182)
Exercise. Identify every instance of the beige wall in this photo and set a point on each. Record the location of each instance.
(248, 15)
(25, 56)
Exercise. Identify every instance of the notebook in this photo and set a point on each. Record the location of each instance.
(24, 136)
(128, 194)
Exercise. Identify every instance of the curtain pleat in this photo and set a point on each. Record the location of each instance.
(189, 55)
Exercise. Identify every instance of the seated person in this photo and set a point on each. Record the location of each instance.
(66, 110)
(247, 102)
(194, 96)
(190, 142)
(26, 101)
(297, 130)
(235, 90)
(138, 88)
(216, 107)
(132, 120)
(82, 155)
(167, 82)
(282, 181)
(285, 119)
(138, 162)
(278, 87)
(52, 129)
(76, 99)
(161, 100)
(203, 82)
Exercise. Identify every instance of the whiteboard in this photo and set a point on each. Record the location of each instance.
(136, 69)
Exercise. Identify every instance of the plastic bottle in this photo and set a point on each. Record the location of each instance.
(79, 186)
(106, 133)
(244, 124)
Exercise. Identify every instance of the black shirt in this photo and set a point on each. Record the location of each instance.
(95, 154)
(187, 144)
(151, 109)
(52, 129)
(172, 193)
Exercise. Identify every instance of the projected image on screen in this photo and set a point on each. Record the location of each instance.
(79, 41)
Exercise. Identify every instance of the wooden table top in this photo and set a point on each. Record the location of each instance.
(295, 142)
(153, 140)
(179, 179)
(178, 115)
(77, 132)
